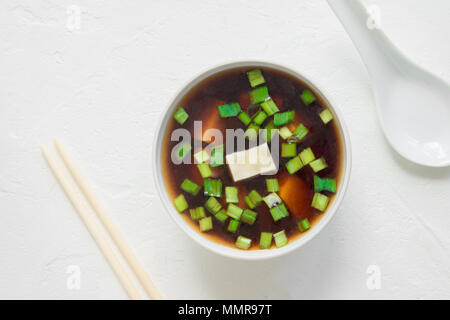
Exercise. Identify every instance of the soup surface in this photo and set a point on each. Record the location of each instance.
(305, 192)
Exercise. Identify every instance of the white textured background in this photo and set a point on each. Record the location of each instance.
(102, 87)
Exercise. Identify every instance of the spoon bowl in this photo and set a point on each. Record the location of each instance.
(415, 115)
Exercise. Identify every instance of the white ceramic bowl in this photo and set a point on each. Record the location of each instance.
(230, 251)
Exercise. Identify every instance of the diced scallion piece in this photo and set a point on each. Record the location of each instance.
(326, 116)
(294, 165)
(180, 115)
(205, 170)
(280, 239)
(270, 131)
(253, 199)
(206, 224)
(320, 201)
(272, 199)
(243, 243)
(272, 185)
(252, 131)
(231, 194)
(307, 156)
(212, 187)
(221, 215)
(265, 240)
(190, 186)
(217, 156)
(300, 132)
(249, 216)
(324, 184)
(201, 156)
(269, 107)
(259, 95)
(280, 119)
(197, 213)
(318, 164)
(285, 133)
(279, 212)
(180, 203)
(288, 150)
(183, 150)
(303, 225)
(234, 211)
(259, 117)
(245, 118)
(229, 110)
(212, 205)
(255, 77)
(308, 97)
(233, 225)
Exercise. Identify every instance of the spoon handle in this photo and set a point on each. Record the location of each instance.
(380, 56)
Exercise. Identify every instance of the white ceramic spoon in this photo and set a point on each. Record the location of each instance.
(413, 105)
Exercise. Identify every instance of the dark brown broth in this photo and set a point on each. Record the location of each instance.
(230, 86)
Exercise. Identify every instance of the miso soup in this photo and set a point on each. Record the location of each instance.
(246, 206)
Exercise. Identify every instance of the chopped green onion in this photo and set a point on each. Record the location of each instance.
(280, 239)
(221, 215)
(300, 132)
(294, 165)
(320, 201)
(280, 119)
(324, 184)
(253, 199)
(190, 186)
(252, 131)
(205, 170)
(285, 133)
(234, 211)
(245, 118)
(180, 115)
(265, 241)
(212, 187)
(183, 150)
(269, 107)
(279, 212)
(270, 131)
(307, 96)
(307, 156)
(233, 225)
(180, 203)
(272, 185)
(249, 203)
(326, 116)
(249, 216)
(318, 164)
(217, 156)
(229, 110)
(243, 243)
(255, 77)
(288, 150)
(206, 224)
(197, 213)
(201, 156)
(259, 117)
(231, 194)
(259, 95)
(212, 205)
(272, 199)
(303, 225)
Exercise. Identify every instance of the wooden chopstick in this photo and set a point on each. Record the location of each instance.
(91, 225)
(109, 225)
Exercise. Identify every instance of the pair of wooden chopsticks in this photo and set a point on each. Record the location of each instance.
(92, 226)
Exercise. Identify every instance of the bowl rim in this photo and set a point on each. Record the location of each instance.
(229, 251)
